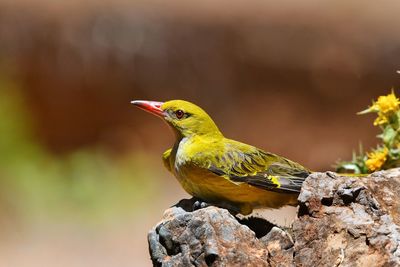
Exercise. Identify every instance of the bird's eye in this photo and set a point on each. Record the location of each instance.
(179, 114)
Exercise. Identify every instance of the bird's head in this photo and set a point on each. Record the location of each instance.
(185, 118)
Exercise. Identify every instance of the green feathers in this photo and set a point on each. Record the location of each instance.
(247, 164)
(241, 163)
(222, 171)
(202, 145)
(166, 159)
(187, 119)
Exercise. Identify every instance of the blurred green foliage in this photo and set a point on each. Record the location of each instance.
(89, 184)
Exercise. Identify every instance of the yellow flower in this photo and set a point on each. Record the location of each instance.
(382, 119)
(386, 104)
(376, 159)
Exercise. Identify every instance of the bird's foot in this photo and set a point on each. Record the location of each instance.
(199, 204)
(234, 210)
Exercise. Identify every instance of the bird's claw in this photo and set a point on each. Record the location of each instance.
(199, 205)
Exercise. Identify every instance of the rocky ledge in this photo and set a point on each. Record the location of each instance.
(342, 221)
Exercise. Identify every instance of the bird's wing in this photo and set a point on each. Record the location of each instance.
(260, 169)
(166, 159)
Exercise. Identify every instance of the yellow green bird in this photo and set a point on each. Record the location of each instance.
(221, 171)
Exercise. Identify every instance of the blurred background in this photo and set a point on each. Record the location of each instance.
(81, 177)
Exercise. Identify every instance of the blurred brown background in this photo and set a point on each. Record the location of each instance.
(81, 180)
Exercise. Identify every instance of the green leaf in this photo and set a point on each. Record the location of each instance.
(370, 109)
(351, 168)
(389, 135)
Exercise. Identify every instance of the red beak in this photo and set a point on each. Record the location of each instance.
(150, 106)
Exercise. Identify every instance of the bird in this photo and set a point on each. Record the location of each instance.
(220, 171)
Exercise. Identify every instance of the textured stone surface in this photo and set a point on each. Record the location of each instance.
(209, 236)
(342, 221)
(349, 221)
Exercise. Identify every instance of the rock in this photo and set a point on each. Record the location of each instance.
(280, 247)
(342, 221)
(205, 237)
(349, 221)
